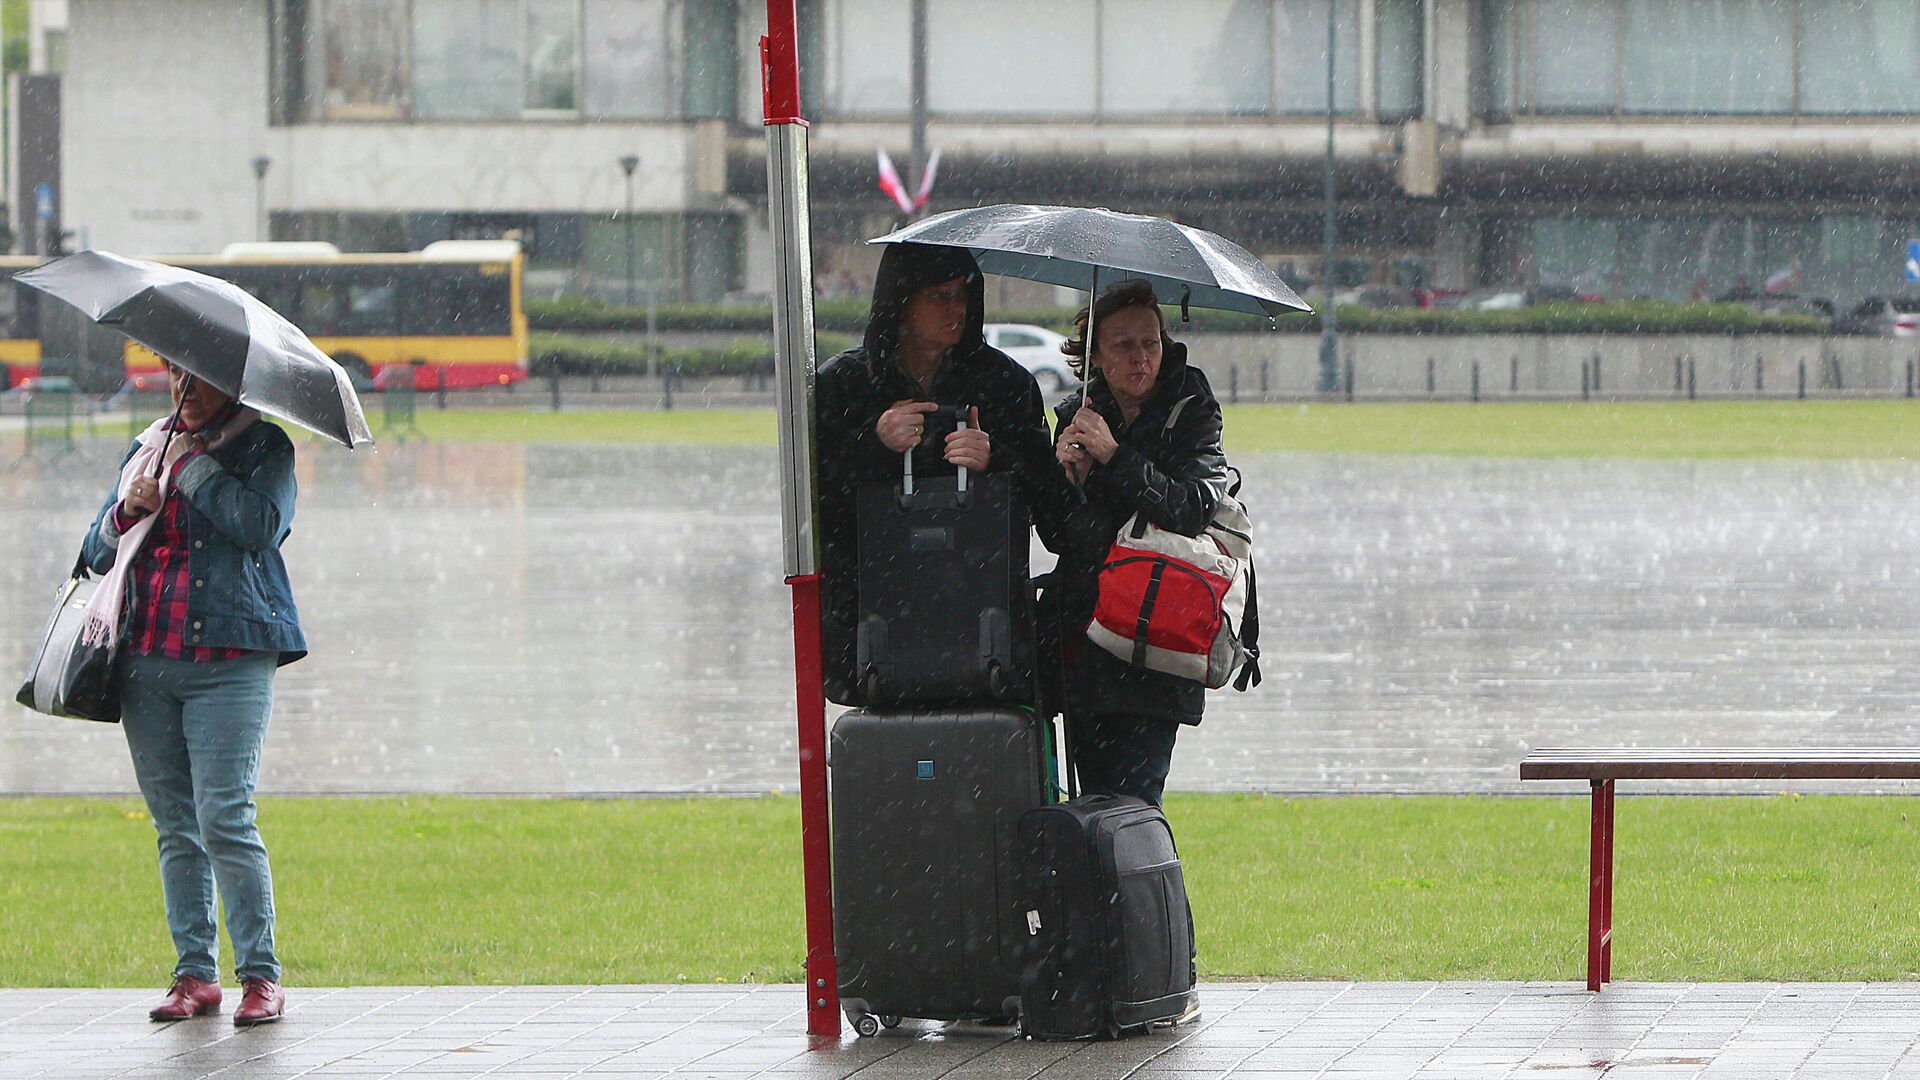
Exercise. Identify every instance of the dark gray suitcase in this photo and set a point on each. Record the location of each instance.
(946, 609)
(925, 807)
(1108, 931)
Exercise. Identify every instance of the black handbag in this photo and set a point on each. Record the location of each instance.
(67, 676)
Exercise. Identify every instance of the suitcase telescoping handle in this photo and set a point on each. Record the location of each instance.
(958, 414)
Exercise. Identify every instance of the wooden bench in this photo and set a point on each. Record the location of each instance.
(1602, 767)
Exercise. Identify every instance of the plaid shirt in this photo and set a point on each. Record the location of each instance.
(162, 579)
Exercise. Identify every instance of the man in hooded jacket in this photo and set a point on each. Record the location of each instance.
(924, 349)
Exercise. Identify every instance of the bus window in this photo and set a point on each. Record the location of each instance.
(321, 306)
(461, 301)
(373, 308)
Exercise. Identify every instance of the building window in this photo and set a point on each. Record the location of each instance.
(1217, 63)
(358, 65)
(501, 59)
(1400, 29)
(630, 46)
(553, 55)
(1698, 57)
(1860, 56)
(1011, 58)
(1709, 56)
(1106, 58)
(466, 59)
(1300, 56)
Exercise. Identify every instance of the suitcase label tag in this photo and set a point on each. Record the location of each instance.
(923, 769)
(1033, 922)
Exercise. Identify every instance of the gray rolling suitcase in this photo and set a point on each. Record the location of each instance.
(925, 807)
(1109, 935)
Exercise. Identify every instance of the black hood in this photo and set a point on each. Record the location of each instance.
(906, 269)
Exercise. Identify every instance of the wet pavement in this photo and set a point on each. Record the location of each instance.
(587, 620)
(1248, 1031)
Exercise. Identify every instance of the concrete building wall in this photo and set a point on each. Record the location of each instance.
(167, 105)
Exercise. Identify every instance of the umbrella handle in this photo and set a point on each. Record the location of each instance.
(173, 425)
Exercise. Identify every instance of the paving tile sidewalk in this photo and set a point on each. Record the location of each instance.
(1250, 1031)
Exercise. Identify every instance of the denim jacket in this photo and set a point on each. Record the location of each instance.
(239, 507)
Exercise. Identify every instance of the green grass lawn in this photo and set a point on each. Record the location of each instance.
(439, 890)
(1734, 429)
(1663, 429)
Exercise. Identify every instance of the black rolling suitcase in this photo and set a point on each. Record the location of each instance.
(1108, 932)
(925, 807)
(946, 610)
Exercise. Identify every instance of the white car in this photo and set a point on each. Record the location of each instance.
(1037, 349)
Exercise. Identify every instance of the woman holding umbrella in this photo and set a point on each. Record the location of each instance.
(197, 594)
(1121, 439)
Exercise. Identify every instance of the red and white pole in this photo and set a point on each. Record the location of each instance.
(793, 363)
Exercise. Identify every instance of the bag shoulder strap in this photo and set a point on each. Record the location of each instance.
(1173, 416)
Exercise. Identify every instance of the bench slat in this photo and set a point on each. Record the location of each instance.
(1718, 763)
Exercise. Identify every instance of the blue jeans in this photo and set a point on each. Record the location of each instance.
(195, 731)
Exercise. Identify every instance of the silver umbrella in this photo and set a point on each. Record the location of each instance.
(216, 331)
(1075, 247)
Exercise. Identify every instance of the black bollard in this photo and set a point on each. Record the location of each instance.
(1833, 365)
(1349, 377)
(1596, 373)
(1513, 375)
(553, 384)
(667, 379)
(1476, 380)
(1430, 381)
(1759, 373)
(1263, 378)
(1690, 387)
(593, 376)
(1586, 379)
(1910, 366)
(1233, 384)
(1803, 378)
(1677, 362)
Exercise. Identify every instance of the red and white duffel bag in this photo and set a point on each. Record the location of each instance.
(1183, 605)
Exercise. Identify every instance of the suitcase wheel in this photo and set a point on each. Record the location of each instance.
(870, 685)
(889, 1020)
(996, 679)
(867, 1024)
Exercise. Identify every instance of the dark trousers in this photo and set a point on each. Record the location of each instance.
(1122, 754)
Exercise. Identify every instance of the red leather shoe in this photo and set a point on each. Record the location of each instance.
(262, 1003)
(188, 997)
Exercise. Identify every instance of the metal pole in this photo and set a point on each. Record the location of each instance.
(1329, 326)
(917, 68)
(628, 163)
(793, 358)
(263, 228)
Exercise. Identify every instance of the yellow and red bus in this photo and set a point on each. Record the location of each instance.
(455, 306)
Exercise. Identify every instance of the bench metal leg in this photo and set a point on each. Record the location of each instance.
(1600, 889)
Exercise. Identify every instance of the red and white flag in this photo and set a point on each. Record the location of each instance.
(896, 190)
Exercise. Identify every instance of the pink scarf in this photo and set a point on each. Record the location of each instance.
(103, 609)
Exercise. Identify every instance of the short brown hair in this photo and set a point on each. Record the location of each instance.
(1121, 295)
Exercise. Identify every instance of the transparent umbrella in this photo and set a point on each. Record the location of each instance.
(215, 331)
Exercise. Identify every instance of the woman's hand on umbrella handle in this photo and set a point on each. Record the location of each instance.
(181, 446)
(1090, 433)
(142, 497)
(1072, 457)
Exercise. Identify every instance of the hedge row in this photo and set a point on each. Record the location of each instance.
(849, 316)
(571, 355)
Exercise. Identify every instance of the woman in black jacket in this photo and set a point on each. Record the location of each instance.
(1116, 442)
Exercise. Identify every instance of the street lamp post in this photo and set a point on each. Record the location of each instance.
(1329, 330)
(264, 230)
(628, 163)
